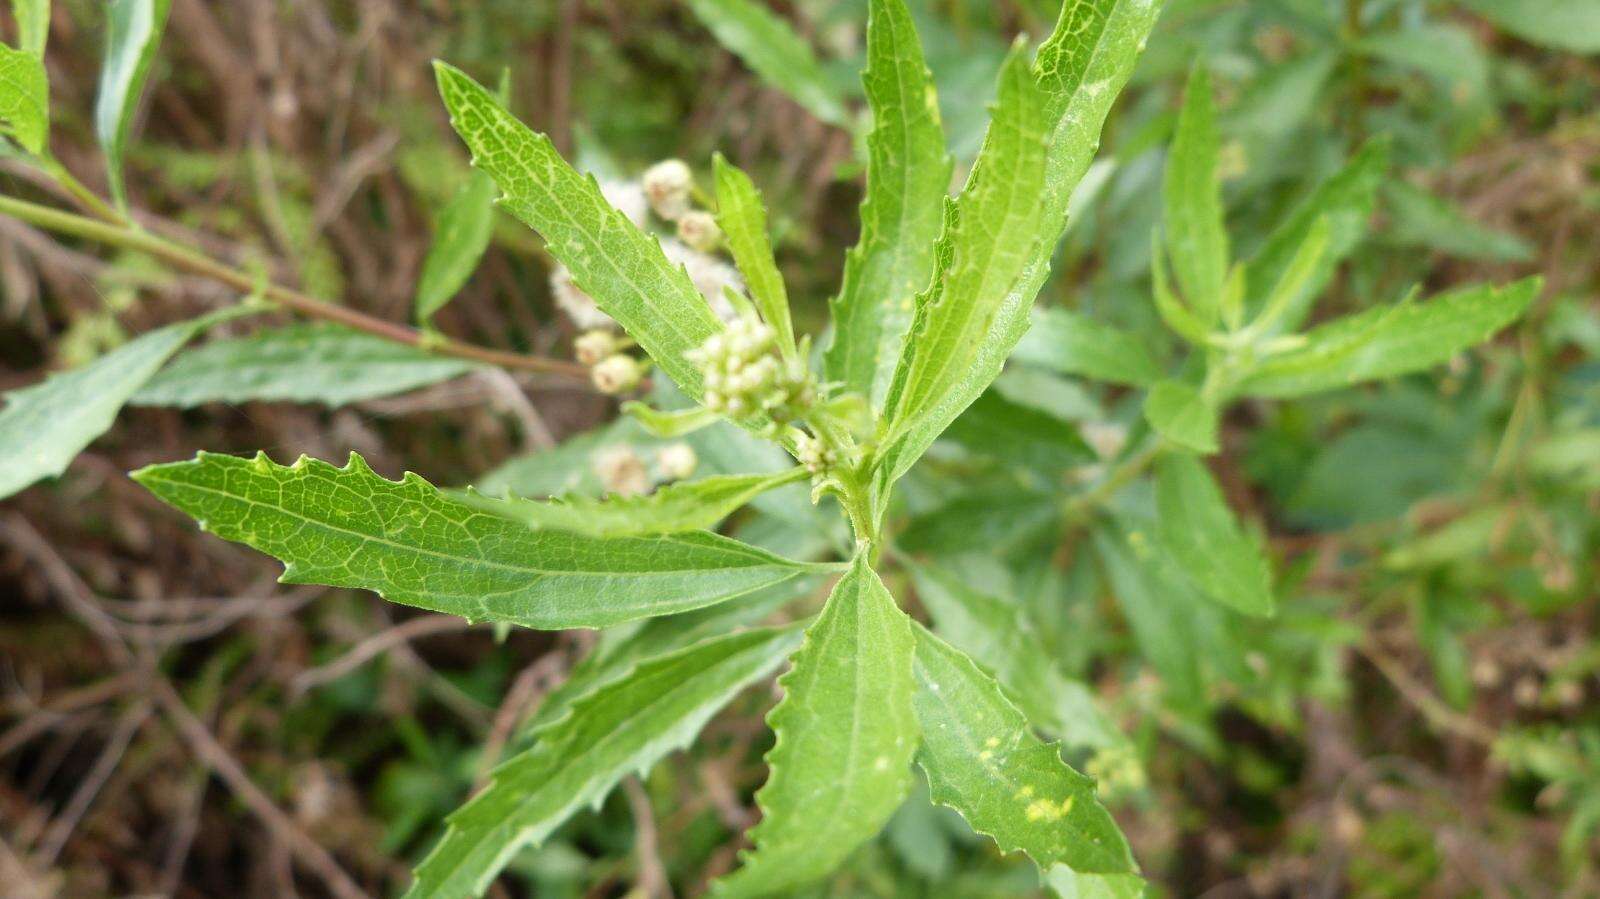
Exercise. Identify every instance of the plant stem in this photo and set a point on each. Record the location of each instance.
(82, 194)
(1129, 468)
(118, 233)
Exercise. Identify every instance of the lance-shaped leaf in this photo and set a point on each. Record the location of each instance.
(908, 175)
(44, 426)
(983, 760)
(1181, 414)
(24, 98)
(623, 727)
(1344, 201)
(412, 544)
(299, 363)
(845, 736)
(1192, 193)
(743, 220)
(988, 237)
(33, 24)
(1075, 344)
(613, 261)
(133, 34)
(1391, 340)
(1081, 68)
(671, 509)
(1204, 538)
(1420, 219)
(459, 240)
(999, 636)
(670, 422)
(774, 51)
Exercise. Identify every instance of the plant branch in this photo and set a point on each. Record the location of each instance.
(113, 233)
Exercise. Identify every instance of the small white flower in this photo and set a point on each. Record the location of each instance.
(699, 230)
(621, 471)
(666, 187)
(592, 346)
(676, 461)
(816, 456)
(616, 374)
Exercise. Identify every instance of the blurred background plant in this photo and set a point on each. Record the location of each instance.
(1421, 717)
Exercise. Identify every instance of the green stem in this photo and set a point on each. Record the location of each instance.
(119, 233)
(82, 194)
(1080, 505)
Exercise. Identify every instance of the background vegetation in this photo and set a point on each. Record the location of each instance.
(1421, 717)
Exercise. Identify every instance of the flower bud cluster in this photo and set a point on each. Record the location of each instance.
(617, 373)
(814, 455)
(667, 186)
(744, 374)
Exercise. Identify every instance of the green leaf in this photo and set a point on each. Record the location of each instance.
(743, 220)
(1179, 413)
(624, 726)
(1390, 340)
(671, 509)
(1563, 24)
(412, 544)
(33, 24)
(998, 635)
(908, 176)
(133, 34)
(459, 240)
(845, 736)
(44, 426)
(24, 98)
(982, 760)
(986, 244)
(1075, 344)
(1345, 202)
(613, 261)
(1196, 235)
(1418, 218)
(1204, 538)
(772, 49)
(620, 649)
(1080, 70)
(1158, 610)
(302, 363)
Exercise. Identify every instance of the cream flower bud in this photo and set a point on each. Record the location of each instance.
(676, 461)
(699, 230)
(616, 374)
(592, 346)
(621, 471)
(666, 186)
(816, 456)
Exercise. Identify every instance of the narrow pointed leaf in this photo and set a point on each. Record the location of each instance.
(743, 220)
(1081, 68)
(1075, 344)
(44, 426)
(1391, 340)
(1563, 24)
(613, 261)
(412, 544)
(33, 24)
(772, 49)
(24, 98)
(908, 176)
(845, 736)
(983, 760)
(671, 509)
(670, 422)
(1345, 202)
(133, 34)
(1196, 236)
(626, 726)
(1179, 413)
(299, 364)
(459, 240)
(1204, 538)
